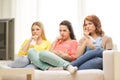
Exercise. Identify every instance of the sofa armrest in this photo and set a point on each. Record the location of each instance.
(110, 64)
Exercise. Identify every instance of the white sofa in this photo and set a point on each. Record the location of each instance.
(91, 74)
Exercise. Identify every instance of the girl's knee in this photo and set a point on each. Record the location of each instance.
(43, 53)
(31, 50)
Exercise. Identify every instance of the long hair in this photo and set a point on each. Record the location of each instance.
(69, 26)
(96, 21)
(41, 27)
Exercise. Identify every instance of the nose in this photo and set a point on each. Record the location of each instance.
(87, 27)
(61, 33)
(34, 32)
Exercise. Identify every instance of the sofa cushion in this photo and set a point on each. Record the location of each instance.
(90, 74)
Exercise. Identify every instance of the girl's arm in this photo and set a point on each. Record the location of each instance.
(57, 41)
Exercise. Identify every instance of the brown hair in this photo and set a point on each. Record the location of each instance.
(96, 21)
(69, 26)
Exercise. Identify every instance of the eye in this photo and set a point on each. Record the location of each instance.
(37, 29)
(89, 23)
(60, 30)
(33, 29)
(85, 24)
(64, 30)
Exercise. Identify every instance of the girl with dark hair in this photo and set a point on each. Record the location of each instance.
(62, 51)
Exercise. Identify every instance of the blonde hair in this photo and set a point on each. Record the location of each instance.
(40, 24)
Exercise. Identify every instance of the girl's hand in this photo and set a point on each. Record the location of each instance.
(59, 39)
(33, 40)
(86, 33)
(34, 37)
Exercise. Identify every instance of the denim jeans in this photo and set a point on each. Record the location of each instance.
(89, 60)
(94, 63)
(53, 59)
(20, 62)
(45, 59)
(32, 66)
(35, 59)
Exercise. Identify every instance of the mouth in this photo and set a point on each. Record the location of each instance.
(62, 36)
(36, 36)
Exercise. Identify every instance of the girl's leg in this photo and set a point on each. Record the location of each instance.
(32, 66)
(34, 57)
(20, 62)
(95, 63)
(87, 56)
(53, 59)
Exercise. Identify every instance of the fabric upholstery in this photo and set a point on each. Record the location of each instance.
(91, 74)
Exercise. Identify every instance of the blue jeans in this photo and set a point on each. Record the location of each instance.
(94, 63)
(32, 66)
(20, 62)
(91, 59)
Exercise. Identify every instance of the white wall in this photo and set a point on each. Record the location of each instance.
(109, 13)
(52, 12)
(25, 15)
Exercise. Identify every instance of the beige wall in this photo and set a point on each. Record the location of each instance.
(5, 10)
(0, 7)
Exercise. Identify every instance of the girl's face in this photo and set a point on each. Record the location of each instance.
(64, 32)
(36, 31)
(90, 27)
